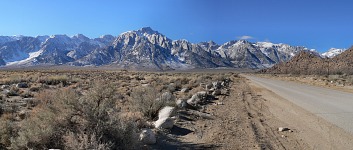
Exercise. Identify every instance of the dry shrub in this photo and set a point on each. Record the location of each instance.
(55, 80)
(349, 79)
(84, 141)
(147, 100)
(67, 120)
(12, 79)
(6, 132)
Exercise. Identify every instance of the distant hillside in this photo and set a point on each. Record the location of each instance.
(311, 63)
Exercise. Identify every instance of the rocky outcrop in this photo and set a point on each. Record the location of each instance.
(311, 63)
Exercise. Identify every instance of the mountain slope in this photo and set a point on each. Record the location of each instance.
(311, 63)
(305, 62)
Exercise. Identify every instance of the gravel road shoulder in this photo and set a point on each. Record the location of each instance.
(309, 128)
(240, 120)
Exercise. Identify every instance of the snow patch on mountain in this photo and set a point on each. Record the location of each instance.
(31, 57)
(332, 52)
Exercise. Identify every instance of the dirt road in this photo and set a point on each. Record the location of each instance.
(248, 118)
(334, 106)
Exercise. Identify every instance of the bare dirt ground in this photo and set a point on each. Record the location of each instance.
(241, 120)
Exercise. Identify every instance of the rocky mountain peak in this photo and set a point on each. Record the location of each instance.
(147, 30)
(80, 37)
(332, 52)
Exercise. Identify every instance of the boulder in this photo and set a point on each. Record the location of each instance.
(184, 90)
(209, 86)
(146, 85)
(181, 103)
(217, 85)
(281, 129)
(167, 96)
(166, 112)
(5, 92)
(5, 86)
(216, 92)
(22, 85)
(22, 114)
(148, 137)
(164, 123)
(197, 98)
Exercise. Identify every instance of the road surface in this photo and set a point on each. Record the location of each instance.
(332, 105)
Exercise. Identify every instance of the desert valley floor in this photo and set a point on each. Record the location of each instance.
(73, 109)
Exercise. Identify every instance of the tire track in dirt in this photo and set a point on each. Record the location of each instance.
(242, 122)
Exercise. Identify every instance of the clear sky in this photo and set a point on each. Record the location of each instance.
(318, 24)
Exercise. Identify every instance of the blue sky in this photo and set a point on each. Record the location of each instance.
(315, 24)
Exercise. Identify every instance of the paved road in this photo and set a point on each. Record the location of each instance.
(334, 106)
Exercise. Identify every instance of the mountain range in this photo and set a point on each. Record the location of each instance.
(141, 49)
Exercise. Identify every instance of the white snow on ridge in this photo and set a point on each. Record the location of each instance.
(332, 52)
(265, 44)
(32, 55)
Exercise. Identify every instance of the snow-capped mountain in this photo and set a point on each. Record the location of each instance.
(333, 52)
(143, 48)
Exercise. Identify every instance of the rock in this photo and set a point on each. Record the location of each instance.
(220, 103)
(201, 114)
(22, 114)
(5, 92)
(216, 85)
(5, 86)
(167, 96)
(148, 137)
(197, 98)
(164, 123)
(281, 129)
(181, 103)
(22, 85)
(216, 92)
(146, 85)
(224, 84)
(184, 90)
(166, 112)
(209, 86)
